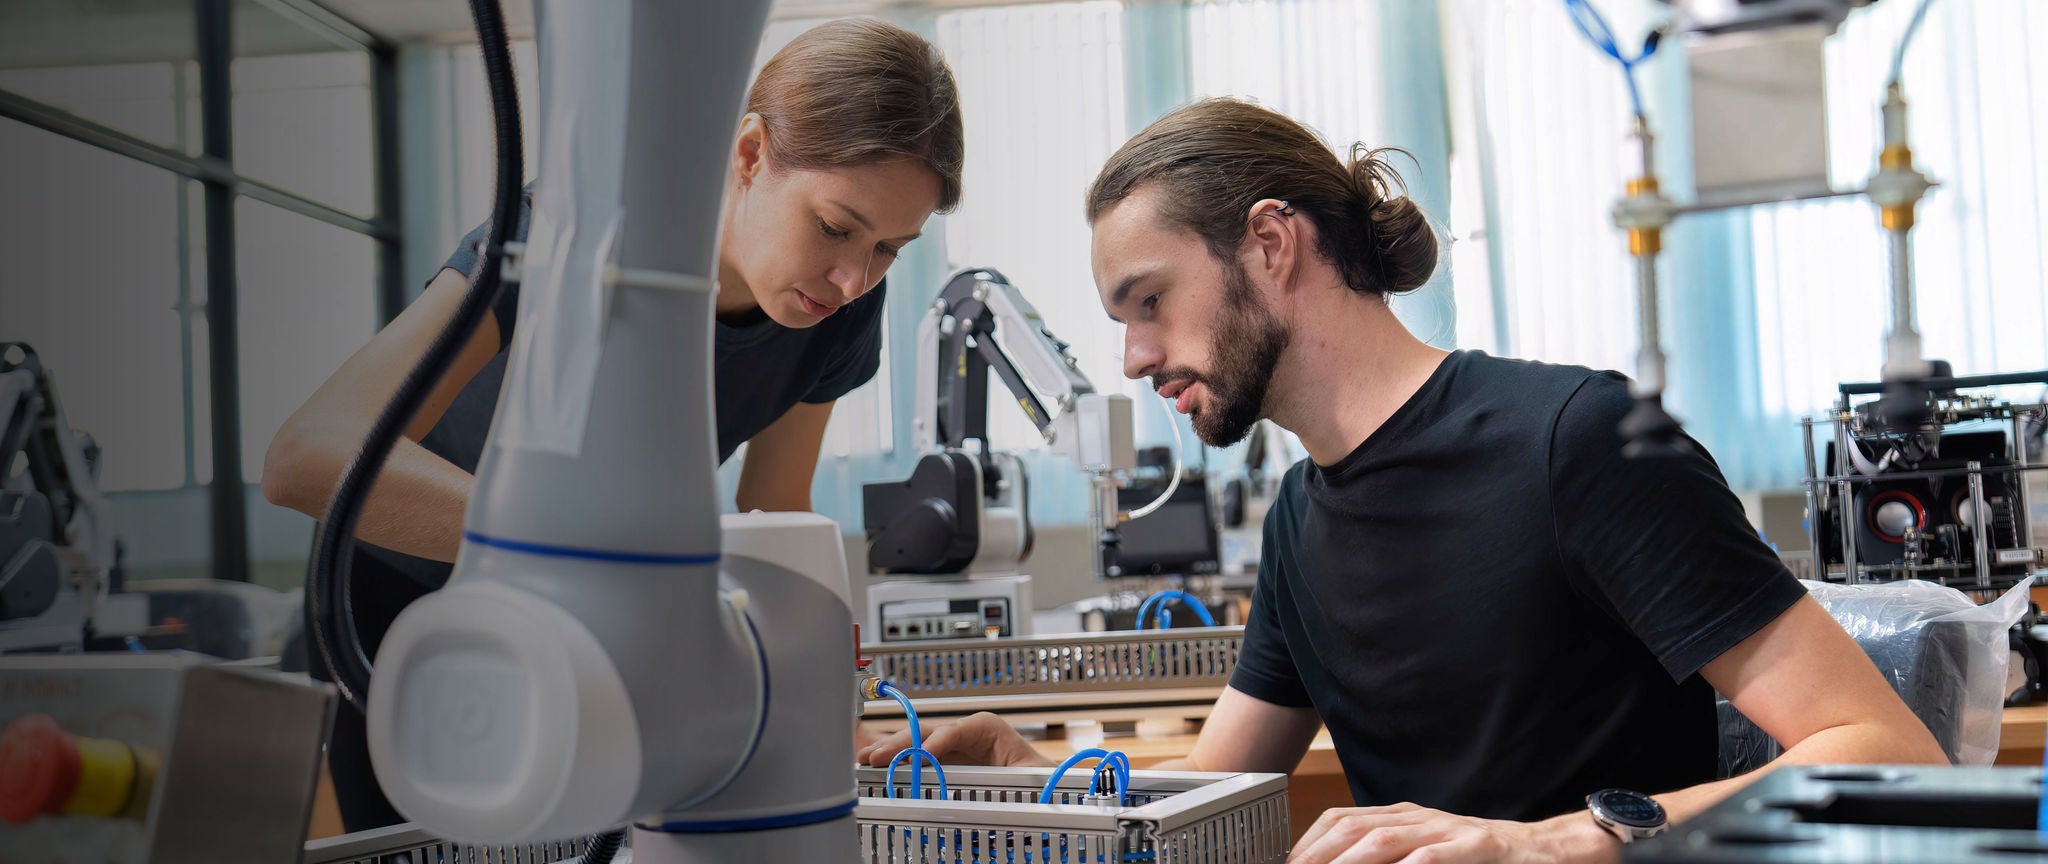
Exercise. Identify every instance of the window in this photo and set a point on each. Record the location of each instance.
(126, 64)
(1307, 59)
(91, 252)
(449, 183)
(302, 109)
(308, 300)
(1765, 310)
(106, 265)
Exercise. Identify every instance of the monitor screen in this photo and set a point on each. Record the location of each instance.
(1177, 539)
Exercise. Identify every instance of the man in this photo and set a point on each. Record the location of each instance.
(1494, 613)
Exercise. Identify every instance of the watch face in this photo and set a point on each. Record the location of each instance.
(1633, 809)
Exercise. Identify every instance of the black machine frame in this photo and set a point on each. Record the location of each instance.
(1836, 496)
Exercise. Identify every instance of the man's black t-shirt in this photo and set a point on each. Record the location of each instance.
(761, 368)
(1493, 612)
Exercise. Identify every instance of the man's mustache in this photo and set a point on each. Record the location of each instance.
(1160, 381)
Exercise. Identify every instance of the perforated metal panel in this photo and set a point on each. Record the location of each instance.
(986, 816)
(992, 815)
(405, 844)
(911, 843)
(1074, 663)
(1258, 831)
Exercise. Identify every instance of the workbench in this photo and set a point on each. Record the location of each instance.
(1316, 784)
(2020, 735)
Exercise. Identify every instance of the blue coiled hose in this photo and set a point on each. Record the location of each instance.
(1165, 615)
(913, 753)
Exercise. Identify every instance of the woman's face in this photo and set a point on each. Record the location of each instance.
(806, 242)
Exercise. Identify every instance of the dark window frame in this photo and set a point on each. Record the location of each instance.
(214, 170)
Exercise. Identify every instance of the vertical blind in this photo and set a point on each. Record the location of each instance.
(1323, 64)
(1550, 118)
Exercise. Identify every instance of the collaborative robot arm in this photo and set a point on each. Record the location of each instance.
(963, 507)
(607, 647)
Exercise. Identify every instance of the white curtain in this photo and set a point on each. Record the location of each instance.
(1325, 64)
(1548, 119)
(1767, 309)
(1307, 59)
(1979, 118)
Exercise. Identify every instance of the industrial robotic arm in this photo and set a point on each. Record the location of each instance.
(980, 322)
(57, 544)
(963, 507)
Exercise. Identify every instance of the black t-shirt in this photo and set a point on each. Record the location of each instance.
(1493, 612)
(762, 369)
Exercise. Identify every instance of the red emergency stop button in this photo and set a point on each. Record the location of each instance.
(39, 768)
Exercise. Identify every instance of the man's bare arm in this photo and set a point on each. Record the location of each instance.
(1804, 682)
(1245, 734)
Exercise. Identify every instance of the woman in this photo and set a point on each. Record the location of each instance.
(851, 140)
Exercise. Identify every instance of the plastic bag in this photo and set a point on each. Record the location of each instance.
(1944, 654)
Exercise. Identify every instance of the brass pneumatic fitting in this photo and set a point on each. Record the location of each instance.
(1896, 157)
(1644, 241)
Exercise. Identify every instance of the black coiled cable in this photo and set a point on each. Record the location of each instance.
(332, 613)
(327, 593)
(603, 846)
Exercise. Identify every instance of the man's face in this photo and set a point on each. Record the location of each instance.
(1195, 325)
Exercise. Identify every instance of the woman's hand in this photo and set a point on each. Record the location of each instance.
(980, 739)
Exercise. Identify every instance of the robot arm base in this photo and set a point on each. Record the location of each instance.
(924, 524)
(497, 715)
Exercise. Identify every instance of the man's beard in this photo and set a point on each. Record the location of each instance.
(1247, 347)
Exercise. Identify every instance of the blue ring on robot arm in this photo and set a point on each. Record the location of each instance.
(583, 554)
(764, 823)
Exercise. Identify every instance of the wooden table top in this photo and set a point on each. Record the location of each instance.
(1146, 746)
(2023, 733)
(2022, 728)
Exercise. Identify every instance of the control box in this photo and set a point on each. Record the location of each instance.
(155, 758)
(910, 620)
(911, 610)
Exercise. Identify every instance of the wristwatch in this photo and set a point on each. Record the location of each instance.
(1628, 815)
